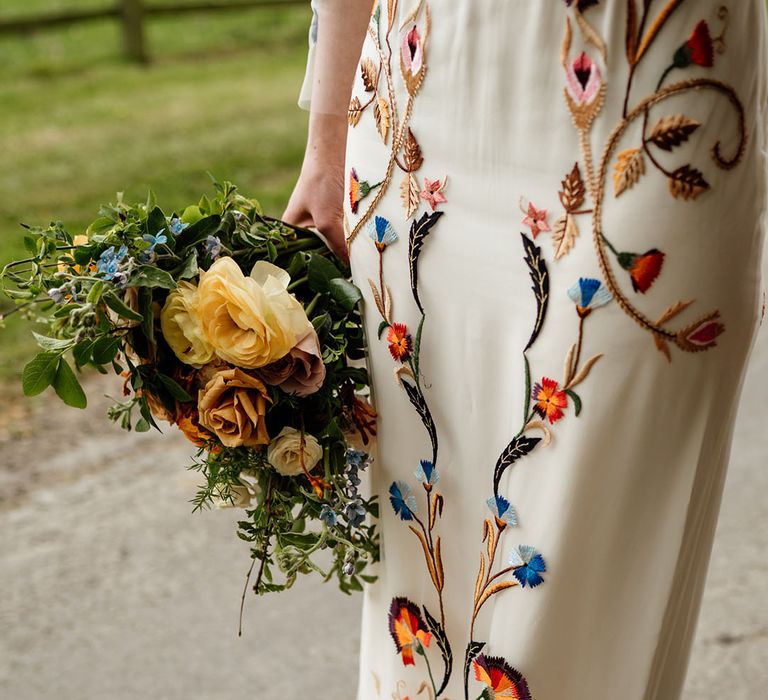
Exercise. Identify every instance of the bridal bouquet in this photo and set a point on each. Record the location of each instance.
(241, 331)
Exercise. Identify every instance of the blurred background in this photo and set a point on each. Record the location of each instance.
(110, 586)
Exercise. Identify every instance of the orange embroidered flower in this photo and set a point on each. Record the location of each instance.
(407, 629)
(499, 677)
(536, 220)
(400, 342)
(433, 192)
(643, 269)
(358, 190)
(550, 399)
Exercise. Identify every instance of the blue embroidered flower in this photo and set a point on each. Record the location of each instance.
(328, 515)
(427, 473)
(381, 232)
(588, 294)
(529, 565)
(503, 511)
(110, 260)
(402, 499)
(175, 226)
(213, 247)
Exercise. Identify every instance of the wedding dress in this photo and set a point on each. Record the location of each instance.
(555, 213)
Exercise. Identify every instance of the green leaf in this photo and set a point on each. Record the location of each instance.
(382, 326)
(120, 308)
(142, 426)
(39, 373)
(576, 400)
(153, 277)
(156, 221)
(101, 225)
(82, 352)
(105, 350)
(30, 243)
(67, 387)
(319, 321)
(145, 309)
(47, 343)
(191, 215)
(188, 269)
(344, 292)
(151, 200)
(321, 271)
(175, 389)
(198, 232)
(94, 293)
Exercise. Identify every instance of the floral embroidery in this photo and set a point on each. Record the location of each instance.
(433, 192)
(550, 400)
(501, 680)
(407, 629)
(535, 219)
(358, 190)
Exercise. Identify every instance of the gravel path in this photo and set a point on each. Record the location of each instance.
(112, 589)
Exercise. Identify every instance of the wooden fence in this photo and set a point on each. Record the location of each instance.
(132, 15)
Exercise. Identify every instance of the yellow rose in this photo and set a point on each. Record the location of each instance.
(250, 321)
(285, 452)
(180, 323)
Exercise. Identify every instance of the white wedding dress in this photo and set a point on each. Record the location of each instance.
(556, 217)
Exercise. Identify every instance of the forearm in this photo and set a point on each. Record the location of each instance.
(341, 30)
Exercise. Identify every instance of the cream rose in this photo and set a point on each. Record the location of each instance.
(244, 494)
(249, 321)
(180, 322)
(233, 405)
(285, 452)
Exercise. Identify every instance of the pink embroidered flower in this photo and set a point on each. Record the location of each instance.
(413, 52)
(704, 334)
(433, 192)
(536, 220)
(582, 79)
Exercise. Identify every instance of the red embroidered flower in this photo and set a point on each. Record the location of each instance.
(643, 269)
(407, 629)
(699, 48)
(358, 189)
(583, 81)
(400, 343)
(550, 399)
(501, 678)
(536, 220)
(704, 334)
(433, 192)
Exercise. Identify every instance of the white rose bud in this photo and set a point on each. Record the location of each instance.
(284, 452)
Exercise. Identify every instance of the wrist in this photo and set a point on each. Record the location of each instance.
(326, 141)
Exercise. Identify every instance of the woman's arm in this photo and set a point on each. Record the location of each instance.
(318, 197)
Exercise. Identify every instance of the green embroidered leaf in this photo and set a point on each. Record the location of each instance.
(382, 326)
(443, 644)
(419, 231)
(419, 403)
(519, 447)
(473, 649)
(540, 279)
(576, 400)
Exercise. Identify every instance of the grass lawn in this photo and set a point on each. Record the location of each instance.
(79, 124)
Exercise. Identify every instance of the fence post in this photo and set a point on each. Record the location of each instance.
(133, 30)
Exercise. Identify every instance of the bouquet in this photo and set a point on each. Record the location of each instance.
(241, 331)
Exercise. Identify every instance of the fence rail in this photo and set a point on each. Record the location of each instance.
(132, 15)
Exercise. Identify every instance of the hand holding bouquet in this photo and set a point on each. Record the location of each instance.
(245, 334)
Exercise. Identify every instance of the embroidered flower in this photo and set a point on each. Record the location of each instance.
(702, 334)
(413, 51)
(400, 342)
(381, 232)
(500, 678)
(582, 79)
(643, 269)
(503, 511)
(529, 565)
(358, 189)
(699, 48)
(550, 399)
(433, 192)
(589, 293)
(536, 220)
(426, 473)
(407, 629)
(402, 499)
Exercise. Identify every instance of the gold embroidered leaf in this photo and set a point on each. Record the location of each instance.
(536, 424)
(584, 114)
(369, 74)
(564, 235)
(391, 12)
(591, 36)
(687, 183)
(573, 192)
(565, 47)
(674, 310)
(427, 556)
(569, 369)
(412, 151)
(436, 509)
(354, 112)
(628, 169)
(662, 346)
(409, 194)
(377, 298)
(387, 297)
(632, 37)
(479, 579)
(491, 590)
(582, 374)
(439, 566)
(381, 115)
(671, 131)
(401, 370)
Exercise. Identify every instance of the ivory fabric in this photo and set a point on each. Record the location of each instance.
(521, 205)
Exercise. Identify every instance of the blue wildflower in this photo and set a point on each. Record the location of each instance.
(213, 247)
(110, 260)
(402, 499)
(588, 294)
(158, 239)
(427, 473)
(356, 458)
(529, 565)
(57, 294)
(328, 515)
(503, 511)
(175, 226)
(354, 512)
(381, 232)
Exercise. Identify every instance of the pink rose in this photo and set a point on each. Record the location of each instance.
(301, 371)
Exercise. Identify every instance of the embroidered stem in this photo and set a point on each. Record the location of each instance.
(656, 27)
(586, 153)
